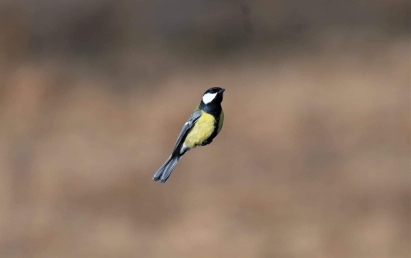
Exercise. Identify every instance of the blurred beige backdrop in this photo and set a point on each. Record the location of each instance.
(313, 159)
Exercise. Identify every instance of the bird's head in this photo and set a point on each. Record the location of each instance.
(213, 95)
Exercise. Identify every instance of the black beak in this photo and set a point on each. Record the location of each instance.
(222, 90)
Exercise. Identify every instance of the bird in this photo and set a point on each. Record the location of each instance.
(201, 128)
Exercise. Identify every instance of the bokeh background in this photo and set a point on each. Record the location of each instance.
(313, 159)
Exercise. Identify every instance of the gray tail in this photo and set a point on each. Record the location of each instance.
(163, 173)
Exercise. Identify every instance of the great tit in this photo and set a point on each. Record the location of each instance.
(200, 129)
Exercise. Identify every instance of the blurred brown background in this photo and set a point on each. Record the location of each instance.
(313, 159)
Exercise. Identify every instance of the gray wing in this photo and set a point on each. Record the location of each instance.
(186, 128)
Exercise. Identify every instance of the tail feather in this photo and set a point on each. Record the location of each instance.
(163, 173)
(160, 171)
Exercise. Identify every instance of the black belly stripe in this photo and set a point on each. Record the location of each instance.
(215, 132)
(215, 111)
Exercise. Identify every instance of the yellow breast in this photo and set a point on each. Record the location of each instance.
(203, 128)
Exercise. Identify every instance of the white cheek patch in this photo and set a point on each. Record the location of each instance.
(207, 98)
